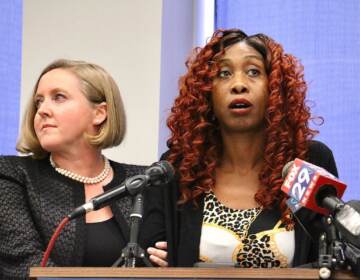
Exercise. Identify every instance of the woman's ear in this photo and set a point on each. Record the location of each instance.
(100, 113)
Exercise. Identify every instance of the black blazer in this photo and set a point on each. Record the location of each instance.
(181, 226)
(34, 199)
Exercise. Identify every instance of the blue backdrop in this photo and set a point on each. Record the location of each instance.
(325, 35)
(10, 73)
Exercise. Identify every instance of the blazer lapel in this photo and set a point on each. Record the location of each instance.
(190, 219)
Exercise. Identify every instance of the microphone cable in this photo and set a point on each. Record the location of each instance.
(53, 240)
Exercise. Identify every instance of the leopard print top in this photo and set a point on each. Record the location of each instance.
(225, 238)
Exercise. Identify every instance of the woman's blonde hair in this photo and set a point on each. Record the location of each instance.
(98, 86)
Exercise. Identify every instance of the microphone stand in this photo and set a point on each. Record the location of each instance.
(133, 254)
(334, 253)
(331, 249)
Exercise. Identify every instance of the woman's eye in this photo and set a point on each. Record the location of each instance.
(253, 72)
(59, 96)
(37, 102)
(224, 73)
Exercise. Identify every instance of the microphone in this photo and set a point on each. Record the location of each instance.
(157, 174)
(347, 221)
(160, 173)
(312, 187)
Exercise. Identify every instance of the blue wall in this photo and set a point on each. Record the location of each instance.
(175, 49)
(325, 35)
(10, 73)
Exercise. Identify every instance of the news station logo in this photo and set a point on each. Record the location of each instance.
(303, 182)
(300, 181)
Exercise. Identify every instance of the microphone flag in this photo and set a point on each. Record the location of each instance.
(303, 181)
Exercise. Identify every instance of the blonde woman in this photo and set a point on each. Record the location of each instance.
(75, 111)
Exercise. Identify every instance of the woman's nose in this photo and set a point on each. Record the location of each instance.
(44, 108)
(239, 86)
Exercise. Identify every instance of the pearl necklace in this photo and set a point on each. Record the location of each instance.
(83, 179)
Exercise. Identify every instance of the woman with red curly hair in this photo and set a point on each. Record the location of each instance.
(239, 118)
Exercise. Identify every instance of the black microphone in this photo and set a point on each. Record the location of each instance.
(160, 173)
(157, 174)
(347, 221)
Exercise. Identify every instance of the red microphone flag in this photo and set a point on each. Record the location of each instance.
(303, 181)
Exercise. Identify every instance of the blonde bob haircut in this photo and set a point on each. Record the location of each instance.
(98, 86)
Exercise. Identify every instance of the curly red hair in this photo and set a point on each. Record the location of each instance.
(195, 142)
